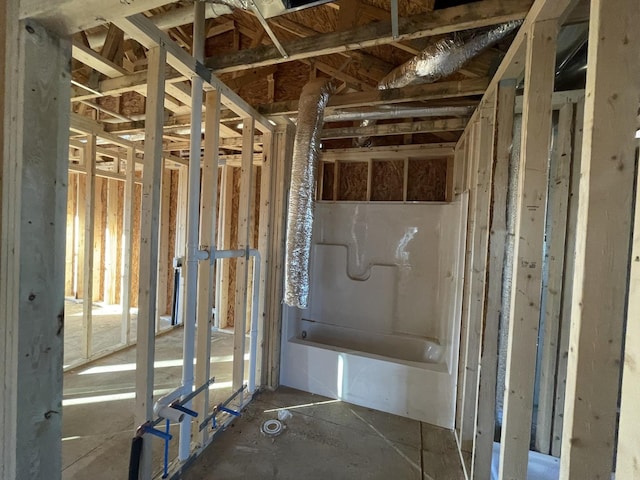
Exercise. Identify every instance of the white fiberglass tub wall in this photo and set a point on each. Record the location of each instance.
(382, 327)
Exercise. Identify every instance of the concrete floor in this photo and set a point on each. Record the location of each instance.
(327, 440)
(324, 438)
(99, 401)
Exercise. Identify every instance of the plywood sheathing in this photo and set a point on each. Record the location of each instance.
(387, 178)
(352, 181)
(135, 250)
(427, 180)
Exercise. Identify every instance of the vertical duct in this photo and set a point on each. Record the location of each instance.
(313, 100)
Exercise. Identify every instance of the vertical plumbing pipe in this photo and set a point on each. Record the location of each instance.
(253, 338)
(193, 211)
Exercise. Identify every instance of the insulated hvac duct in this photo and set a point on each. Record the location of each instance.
(306, 149)
(446, 56)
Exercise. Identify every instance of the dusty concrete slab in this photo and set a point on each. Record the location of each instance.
(324, 439)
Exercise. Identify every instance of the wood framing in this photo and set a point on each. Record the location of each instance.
(425, 126)
(556, 228)
(628, 435)
(377, 33)
(281, 173)
(33, 179)
(242, 267)
(148, 275)
(524, 316)
(485, 423)
(208, 233)
(602, 246)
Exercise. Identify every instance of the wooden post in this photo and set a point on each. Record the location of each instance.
(567, 281)
(478, 271)
(242, 269)
(208, 225)
(282, 154)
(88, 278)
(127, 230)
(602, 246)
(464, 423)
(264, 237)
(524, 316)
(224, 243)
(559, 178)
(628, 461)
(485, 425)
(151, 182)
(181, 235)
(34, 132)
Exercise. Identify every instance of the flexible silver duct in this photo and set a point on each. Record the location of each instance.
(446, 56)
(306, 149)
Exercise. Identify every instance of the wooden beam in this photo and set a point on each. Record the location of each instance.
(485, 424)
(148, 275)
(242, 267)
(208, 227)
(556, 229)
(489, 12)
(67, 17)
(425, 126)
(164, 262)
(605, 215)
(264, 222)
(400, 151)
(413, 93)
(96, 61)
(145, 32)
(281, 172)
(524, 316)
(34, 122)
(567, 280)
(70, 254)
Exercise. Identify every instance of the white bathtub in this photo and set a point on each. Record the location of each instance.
(391, 373)
(407, 348)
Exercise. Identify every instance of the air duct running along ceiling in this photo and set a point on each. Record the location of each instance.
(446, 56)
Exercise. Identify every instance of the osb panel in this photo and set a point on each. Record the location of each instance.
(322, 19)
(352, 181)
(427, 181)
(99, 225)
(405, 7)
(173, 213)
(132, 103)
(135, 246)
(289, 81)
(387, 178)
(255, 217)
(219, 44)
(235, 204)
(327, 181)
